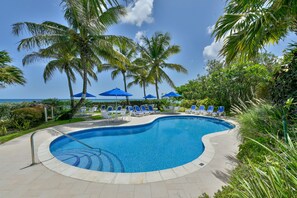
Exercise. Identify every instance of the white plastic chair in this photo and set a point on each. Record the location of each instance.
(94, 108)
(106, 115)
(83, 109)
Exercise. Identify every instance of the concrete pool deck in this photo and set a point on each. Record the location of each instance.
(20, 180)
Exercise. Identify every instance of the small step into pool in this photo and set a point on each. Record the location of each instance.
(165, 143)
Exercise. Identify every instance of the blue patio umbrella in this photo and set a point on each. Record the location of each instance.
(79, 95)
(115, 92)
(149, 96)
(171, 95)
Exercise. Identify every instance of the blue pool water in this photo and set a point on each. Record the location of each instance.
(166, 143)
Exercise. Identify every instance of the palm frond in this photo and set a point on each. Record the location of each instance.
(176, 67)
(11, 75)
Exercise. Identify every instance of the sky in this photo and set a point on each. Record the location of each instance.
(189, 23)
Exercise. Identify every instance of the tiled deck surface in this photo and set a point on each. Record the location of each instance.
(17, 179)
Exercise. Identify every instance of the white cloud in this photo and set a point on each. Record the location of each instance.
(139, 12)
(210, 29)
(138, 36)
(211, 51)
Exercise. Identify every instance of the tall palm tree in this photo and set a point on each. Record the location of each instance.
(248, 26)
(129, 51)
(63, 59)
(154, 52)
(9, 74)
(86, 33)
(140, 77)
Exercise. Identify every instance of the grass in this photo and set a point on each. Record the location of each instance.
(97, 117)
(11, 136)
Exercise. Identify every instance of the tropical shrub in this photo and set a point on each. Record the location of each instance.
(275, 177)
(267, 165)
(188, 103)
(3, 127)
(206, 102)
(226, 84)
(27, 117)
(284, 85)
(5, 110)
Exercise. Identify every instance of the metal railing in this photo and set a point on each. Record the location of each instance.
(68, 136)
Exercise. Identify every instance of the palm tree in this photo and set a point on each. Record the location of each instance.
(154, 52)
(86, 34)
(247, 26)
(129, 51)
(140, 77)
(9, 74)
(62, 59)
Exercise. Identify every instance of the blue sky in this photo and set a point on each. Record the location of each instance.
(188, 23)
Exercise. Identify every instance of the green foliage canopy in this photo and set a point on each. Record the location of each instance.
(226, 84)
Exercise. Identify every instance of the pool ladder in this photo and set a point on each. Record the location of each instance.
(65, 134)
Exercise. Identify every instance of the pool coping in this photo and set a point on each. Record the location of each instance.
(52, 163)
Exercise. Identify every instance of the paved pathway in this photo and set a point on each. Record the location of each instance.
(18, 179)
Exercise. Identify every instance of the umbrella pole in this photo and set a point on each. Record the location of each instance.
(116, 102)
(116, 116)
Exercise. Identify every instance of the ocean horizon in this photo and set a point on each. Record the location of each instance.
(63, 99)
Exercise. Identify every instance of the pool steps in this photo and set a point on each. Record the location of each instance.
(92, 159)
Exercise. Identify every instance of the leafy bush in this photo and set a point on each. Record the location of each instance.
(206, 102)
(7, 108)
(188, 103)
(182, 109)
(27, 117)
(267, 165)
(226, 83)
(276, 177)
(3, 127)
(284, 82)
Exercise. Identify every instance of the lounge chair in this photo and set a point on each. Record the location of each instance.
(210, 110)
(94, 108)
(169, 109)
(129, 108)
(201, 110)
(143, 109)
(123, 114)
(103, 108)
(83, 109)
(176, 109)
(137, 111)
(119, 108)
(220, 112)
(151, 109)
(109, 108)
(106, 115)
(192, 109)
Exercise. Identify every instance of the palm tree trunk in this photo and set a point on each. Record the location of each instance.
(157, 88)
(70, 90)
(125, 85)
(144, 88)
(84, 62)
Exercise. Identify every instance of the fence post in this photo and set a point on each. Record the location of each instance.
(53, 113)
(45, 114)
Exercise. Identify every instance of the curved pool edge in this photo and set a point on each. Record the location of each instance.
(52, 163)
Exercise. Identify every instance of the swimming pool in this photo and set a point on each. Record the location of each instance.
(165, 143)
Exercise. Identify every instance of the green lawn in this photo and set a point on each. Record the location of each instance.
(11, 136)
